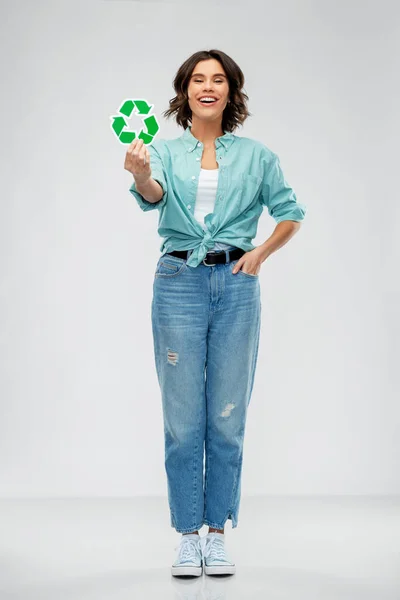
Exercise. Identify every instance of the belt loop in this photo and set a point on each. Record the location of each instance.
(227, 255)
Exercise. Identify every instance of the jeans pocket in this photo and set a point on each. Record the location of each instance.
(240, 272)
(170, 266)
(247, 274)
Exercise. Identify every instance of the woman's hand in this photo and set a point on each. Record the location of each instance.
(137, 161)
(251, 261)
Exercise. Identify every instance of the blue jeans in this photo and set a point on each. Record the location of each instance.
(206, 329)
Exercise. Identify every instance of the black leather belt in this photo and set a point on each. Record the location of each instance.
(212, 258)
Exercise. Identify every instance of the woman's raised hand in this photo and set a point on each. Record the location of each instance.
(137, 161)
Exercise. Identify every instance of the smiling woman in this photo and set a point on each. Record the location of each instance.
(204, 74)
(212, 187)
(198, 78)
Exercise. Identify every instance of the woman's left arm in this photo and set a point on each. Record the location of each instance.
(279, 237)
(280, 199)
(253, 259)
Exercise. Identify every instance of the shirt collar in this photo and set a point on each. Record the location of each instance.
(191, 142)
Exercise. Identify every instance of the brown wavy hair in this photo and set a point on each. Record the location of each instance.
(236, 111)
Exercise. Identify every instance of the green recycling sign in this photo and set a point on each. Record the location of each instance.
(142, 108)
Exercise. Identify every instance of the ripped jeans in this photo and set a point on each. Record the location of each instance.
(206, 329)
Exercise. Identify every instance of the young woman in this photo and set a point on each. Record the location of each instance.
(210, 187)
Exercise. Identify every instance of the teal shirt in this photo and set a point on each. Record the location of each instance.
(250, 178)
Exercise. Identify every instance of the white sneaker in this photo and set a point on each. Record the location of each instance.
(216, 561)
(189, 560)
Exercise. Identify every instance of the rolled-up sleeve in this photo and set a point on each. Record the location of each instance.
(158, 174)
(279, 197)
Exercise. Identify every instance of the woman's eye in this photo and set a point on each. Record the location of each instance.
(217, 80)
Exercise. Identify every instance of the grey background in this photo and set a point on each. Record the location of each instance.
(80, 410)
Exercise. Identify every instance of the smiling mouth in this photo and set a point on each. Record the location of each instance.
(207, 103)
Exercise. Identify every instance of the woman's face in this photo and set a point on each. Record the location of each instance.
(208, 78)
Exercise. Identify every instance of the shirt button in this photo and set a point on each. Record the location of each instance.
(189, 206)
(193, 177)
(197, 158)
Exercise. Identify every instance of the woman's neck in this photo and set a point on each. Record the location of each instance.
(206, 133)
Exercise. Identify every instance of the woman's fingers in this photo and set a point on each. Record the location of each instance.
(137, 159)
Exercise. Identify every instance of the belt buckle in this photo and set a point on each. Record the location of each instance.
(205, 263)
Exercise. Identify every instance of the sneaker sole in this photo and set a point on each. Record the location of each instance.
(186, 571)
(220, 570)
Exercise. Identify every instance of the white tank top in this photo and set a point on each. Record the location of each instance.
(205, 201)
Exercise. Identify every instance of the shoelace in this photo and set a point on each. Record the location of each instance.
(214, 548)
(188, 548)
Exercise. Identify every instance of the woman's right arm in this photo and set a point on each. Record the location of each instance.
(151, 190)
(137, 162)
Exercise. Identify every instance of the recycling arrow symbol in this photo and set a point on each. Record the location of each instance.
(119, 123)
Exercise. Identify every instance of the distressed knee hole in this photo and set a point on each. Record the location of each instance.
(172, 357)
(227, 410)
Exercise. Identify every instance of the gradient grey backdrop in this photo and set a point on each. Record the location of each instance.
(80, 403)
